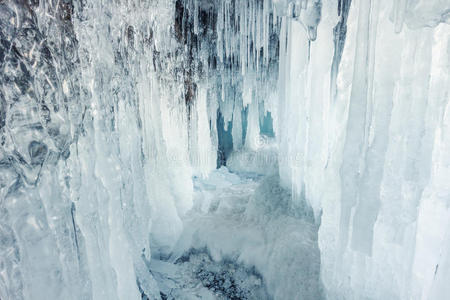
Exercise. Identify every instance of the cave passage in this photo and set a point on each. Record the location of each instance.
(224, 149)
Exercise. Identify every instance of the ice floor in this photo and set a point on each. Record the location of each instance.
(240, 242)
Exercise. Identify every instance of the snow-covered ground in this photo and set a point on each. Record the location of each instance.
(241, 239)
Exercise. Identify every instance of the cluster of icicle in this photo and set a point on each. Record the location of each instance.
(109, 108)
(100, 137)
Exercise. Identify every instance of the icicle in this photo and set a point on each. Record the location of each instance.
(399, 11)
(237, 124)
(220, 32)
(196, 12)
(253, 140)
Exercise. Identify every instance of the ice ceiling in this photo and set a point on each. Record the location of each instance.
(224, 149)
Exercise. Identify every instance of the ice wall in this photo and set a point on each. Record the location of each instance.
(94, 161)
(372, 152)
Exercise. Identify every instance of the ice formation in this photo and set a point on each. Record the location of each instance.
(224, 149)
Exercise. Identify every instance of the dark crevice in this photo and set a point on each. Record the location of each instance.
(339, 36)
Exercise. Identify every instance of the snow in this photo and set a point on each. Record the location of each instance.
(246, 219)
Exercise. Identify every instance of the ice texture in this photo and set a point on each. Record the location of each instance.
(117, 119)
(368, 147)
(94, 159)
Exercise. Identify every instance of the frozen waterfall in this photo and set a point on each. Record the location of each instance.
(224, 149)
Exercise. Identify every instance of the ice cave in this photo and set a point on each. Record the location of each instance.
(224, 149)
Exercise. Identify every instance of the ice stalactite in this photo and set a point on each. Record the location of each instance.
(106, 112)
(340, 34)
